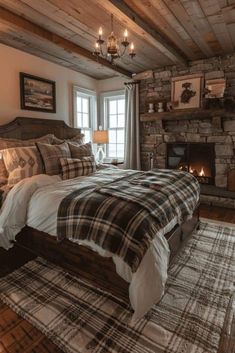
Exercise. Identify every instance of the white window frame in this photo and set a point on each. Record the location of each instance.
(92, 110)
(104, 97)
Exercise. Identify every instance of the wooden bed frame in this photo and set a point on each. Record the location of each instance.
(76, 258)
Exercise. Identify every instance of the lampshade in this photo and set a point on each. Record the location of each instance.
(100, 136)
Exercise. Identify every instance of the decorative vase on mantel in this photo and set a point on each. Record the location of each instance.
(151, 108)
(160, 107)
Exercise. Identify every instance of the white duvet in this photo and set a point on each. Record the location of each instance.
(34, 202)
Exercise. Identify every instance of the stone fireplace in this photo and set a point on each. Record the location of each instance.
(195, 158)
(157, 136)
(198, 125)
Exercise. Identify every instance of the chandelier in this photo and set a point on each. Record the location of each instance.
(112, 50)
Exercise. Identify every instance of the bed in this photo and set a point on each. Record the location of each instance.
(81, 258)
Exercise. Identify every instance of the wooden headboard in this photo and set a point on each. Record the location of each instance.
(27, 128)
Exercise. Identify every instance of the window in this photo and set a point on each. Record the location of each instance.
(114, 122)
(84, 111)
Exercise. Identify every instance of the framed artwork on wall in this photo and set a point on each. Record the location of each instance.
(215, 88)
(186, 91)
(37, 93)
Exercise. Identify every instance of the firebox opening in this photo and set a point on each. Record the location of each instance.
(196, 158)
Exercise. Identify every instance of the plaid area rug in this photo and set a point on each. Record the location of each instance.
(194, 316)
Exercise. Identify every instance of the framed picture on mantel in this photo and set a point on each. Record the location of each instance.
(186, 91)
(37, 93)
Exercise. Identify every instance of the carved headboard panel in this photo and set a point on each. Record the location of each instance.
(27, 128)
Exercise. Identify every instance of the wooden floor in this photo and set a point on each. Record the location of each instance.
(18, 336)
(218, 213)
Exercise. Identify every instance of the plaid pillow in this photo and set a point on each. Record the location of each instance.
(21, 163)
(51, 155)
(81, 151)
(12, 143)
(72, 168)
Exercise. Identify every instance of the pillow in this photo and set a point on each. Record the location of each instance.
(51, 155)
(72, 168)
(21, 163)
(81, 151)
(3, 172)
(78, 140)
(10, 143)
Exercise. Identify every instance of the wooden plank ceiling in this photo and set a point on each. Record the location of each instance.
(165, 32)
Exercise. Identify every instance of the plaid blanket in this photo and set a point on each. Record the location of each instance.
(123, 211)
(194, 315)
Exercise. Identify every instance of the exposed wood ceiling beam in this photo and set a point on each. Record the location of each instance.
(35, 30)
(185, 20)
(135, 23)
(214, 15)
(154, 12)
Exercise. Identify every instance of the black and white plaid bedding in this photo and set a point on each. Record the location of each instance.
(123, 211)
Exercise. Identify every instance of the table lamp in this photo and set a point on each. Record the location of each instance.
(100, 137)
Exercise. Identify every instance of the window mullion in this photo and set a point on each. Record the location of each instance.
(89, 112)
(108, 112)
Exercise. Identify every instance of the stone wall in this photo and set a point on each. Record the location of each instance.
(156, 86)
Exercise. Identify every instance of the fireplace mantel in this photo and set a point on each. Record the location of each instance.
(187, 114)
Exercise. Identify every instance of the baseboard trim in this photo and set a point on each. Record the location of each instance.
(209, 220)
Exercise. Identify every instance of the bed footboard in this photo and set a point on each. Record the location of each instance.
(76, 259)
(84, 262)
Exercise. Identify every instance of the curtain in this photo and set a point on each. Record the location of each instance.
(132, 138)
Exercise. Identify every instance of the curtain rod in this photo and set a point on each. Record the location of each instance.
(131, 83)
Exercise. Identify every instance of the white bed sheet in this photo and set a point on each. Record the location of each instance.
(38, 199)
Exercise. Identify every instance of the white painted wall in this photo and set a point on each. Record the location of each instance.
(111, 84)
(13, 61)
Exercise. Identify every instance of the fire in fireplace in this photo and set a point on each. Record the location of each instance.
(195, 158)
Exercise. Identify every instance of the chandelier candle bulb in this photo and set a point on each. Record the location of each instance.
(125, 42)
(97, 51)
(100, 32)
(132, 50)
